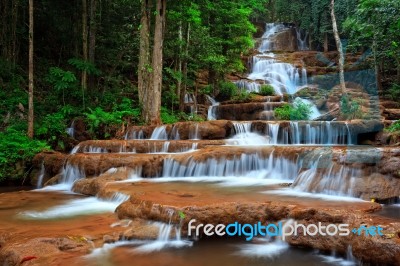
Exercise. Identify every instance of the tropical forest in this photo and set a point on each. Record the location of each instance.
(160, 132)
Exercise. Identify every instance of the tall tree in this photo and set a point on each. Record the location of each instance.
(153, 106)
(84, 43)
(30, 101)
(339, 46)
(144, 53)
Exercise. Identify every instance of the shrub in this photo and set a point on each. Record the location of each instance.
(394, 127)
(242, 96)
(267, 90)
(167, 117)
(227, 90)
(103, 123)
(350, 108)
(16, 149)
(296, 111)
(394, 92)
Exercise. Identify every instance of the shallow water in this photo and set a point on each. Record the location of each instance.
(216, 252)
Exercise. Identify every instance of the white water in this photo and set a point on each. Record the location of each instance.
(133, 134)
(77, 207)
(284, 77)
(274, 167)
(40, 176)
(302, 39)
(71, 129)
(194, 133)
(314, 110)
(212, 110)
(159, 133)
(164, 239)
(265, 249)
(298, 132)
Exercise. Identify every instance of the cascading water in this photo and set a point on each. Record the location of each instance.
(159, 133)
(284, 77)
(40, 176)
(302, 37)
(212, 110)
(297, 132)
(133, 134)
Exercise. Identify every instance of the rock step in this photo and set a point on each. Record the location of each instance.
(224, 129)
(143, 146)
(245, 111)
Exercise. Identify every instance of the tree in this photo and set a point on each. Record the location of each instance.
(30, 101)
(375, 24)
(150, 81)
(339, 47)
(144, 53)
(153, 106)
(84, 43)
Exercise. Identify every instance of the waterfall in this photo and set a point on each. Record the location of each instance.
(71, 129)
(212, 110)
(276, 167)
(327, 179)
(284, 77)
(175, 133)
(39, 183)
(133, 134)
(270, 30)
(70, 173)
(194, 134)
(302, 39)
(159, 133)
(314, 110)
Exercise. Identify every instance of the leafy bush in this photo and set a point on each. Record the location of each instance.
(267, 90)
(394, 127)
(350, 108)
(102, 123)
(15, 150)
(167, 117)
(296, 111)
(242, 96)
(227, 90)
(394, 92)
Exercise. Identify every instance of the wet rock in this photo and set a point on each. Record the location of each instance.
(39, 250)
(245, 111)
(392, 114)
(52, 162)
(285, 41)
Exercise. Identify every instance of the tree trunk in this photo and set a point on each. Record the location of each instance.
(326, 48)
(339, 47)
(153, 106)
(179, 82)
(14, 30)
(30, 100)
(185, 69)
(92, 31)
(144, 54)
(84, 43)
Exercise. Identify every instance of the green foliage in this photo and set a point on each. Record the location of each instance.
(82, 65)
(394, 92)
(207, 90)
(267, 90)
(15, 150)
(227, 90)
(242, 95)
(167, 117)
(350, 108)
(102, 123)
(394, 127)
(296, 111)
